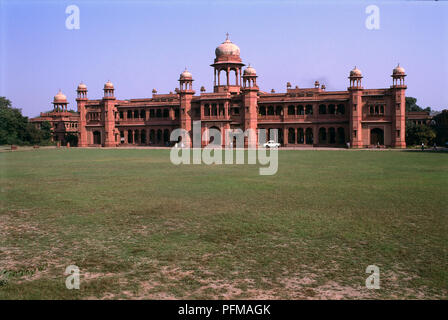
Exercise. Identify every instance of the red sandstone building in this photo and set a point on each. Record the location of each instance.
(303, 116)
(62, 121)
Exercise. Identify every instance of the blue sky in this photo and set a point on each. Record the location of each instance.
(141, 45)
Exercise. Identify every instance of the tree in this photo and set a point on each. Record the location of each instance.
(45, 127)
(440, 124)
(416, 134)
(411, 105)
(72, 139)
(15, 128)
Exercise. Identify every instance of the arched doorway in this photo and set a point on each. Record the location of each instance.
(341, 135)
(332, 135)
(96, 137)
(166, 137)
(322, 135)
(377, 136)
(143, 136)
(212, 138)
(291, 135)
(159, 136)
(309, 136)
(152, 136)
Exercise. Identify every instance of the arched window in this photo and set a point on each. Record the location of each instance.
(135, 114)
(214, 110)
(262, 110)
(278, 110)
(158, 113)
(166, 113)
(300, 135)
(159, 136)
(291, 110)
(206, 110)
(331, 109)
(341, 109)
(142, 114)
(129, 114)
(270, 110)
(322, 109)
(332, 135)
(322, 135)
(309, 109)
(300, 110)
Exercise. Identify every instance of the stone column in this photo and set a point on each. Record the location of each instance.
(285, 136)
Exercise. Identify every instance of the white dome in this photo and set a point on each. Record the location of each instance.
(227, 48)
(108, 85)
(186, 75)
(399, 71)
(82, 86)
(60, 97)
(249, 71)
(355, 73)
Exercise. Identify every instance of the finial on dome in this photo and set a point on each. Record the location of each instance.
(227, 36)
(186, 75)
(399, 71)
(355, 72)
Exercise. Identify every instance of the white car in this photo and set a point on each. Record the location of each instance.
(271, 144)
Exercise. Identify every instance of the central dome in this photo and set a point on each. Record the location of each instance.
(227, 48)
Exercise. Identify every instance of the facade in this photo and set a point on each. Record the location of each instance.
(419, 117)
(63, 122)
(303, 116)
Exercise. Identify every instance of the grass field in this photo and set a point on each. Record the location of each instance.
(139, 227)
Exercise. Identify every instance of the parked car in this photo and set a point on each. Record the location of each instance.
(271, 144)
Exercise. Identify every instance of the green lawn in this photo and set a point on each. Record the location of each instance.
(139, 227)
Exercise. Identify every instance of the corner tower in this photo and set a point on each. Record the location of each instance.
(186, 93)
(109, 115)
(250, 99)
(81, 100)
(355, 90)
(399, 109)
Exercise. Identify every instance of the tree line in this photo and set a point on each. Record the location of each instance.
(16, 129)
(434, 132)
